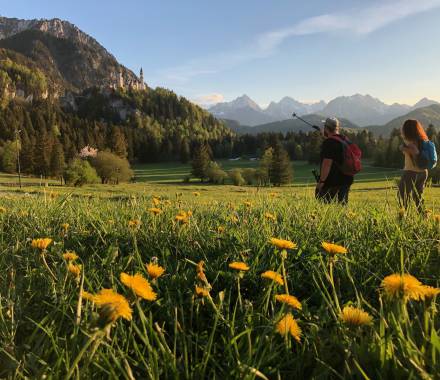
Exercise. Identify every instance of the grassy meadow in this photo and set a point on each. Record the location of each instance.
(202, 319)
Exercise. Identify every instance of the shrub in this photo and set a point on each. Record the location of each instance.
(215, 173)
(80, 172)
(112, 168)
(249, 175)
(236, 177)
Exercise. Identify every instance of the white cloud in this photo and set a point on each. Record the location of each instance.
(208, 100)
(353, 21)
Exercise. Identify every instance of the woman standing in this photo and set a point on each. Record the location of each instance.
(413, 179)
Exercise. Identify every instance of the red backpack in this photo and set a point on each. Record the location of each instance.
(352, 156)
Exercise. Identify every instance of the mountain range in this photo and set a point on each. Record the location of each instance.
(362, 110)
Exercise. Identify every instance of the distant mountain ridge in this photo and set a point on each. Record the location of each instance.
(426, 115)
(362, 110)
(247, 112)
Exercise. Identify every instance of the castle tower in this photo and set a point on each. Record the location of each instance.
(120, 80)
(141, 76)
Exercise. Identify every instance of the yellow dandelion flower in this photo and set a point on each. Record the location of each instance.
(196, 193)
(282, 244)
(41, 243)
(273, 195)
(154, 270)
(429, 291)
(156, 201)
(437, 218)
(183, 217)
(113, 304)
(70, 256)
(2, 210)
(239, 266)
(234, 218)
(288, 325)
(189, 214)
(65, 226)
(220, 229)
(75, 270)
(247, 203)
(355, 317)
(289, 300)
(201, 291)
(270, 216)
(406, 286)
(87, 296)
(155, 210)
(135, 223)
(333, 249)
(274, 276)
(139, 285)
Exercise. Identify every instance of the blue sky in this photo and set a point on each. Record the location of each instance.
(310, 50)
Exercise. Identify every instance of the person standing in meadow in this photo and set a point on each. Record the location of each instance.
(340, 161)
(413, 180)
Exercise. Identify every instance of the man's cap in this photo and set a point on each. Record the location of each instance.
(332, 123)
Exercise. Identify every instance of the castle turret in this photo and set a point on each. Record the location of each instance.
(141, 77)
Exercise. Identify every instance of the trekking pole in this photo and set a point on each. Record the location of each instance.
(306, 122)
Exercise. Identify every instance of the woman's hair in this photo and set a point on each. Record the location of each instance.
(413, 131)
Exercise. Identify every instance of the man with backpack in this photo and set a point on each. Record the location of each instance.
(340, 161)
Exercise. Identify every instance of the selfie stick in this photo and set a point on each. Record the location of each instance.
(306, 122)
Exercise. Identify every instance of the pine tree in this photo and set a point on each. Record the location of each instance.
(118, 142)
(57, 160)
(185, 153)
(27, 156)
(201, 162)
(263, 172)
(281, 172)
(42, 155)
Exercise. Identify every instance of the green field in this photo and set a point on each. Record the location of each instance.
(174, 172)
(232, 330)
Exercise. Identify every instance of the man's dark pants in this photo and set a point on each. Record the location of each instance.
(330, 194)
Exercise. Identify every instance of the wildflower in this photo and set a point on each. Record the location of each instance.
(270, 216)
(87, 296)
(201, 291)
(41, 243)
(2, 210)
(289, 300)
(274, 276)
(282, 244)
(429, 291)
(273, 195)
(139, 285)
(75, 270)
(114, 305)
(288, 325)
(406, 286)
(65, 226)
(196, 193)
(220, 229)
(70, 256)
(333, 249)
(154, 270)
(238, 266)
(135, 223)
(247, 203)
(156, 201)
(183, 217)
(234, 218)
(355, 317)
(437, 218)
(402, 213)
(155, 210)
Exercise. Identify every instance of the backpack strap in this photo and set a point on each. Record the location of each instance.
(339, 138)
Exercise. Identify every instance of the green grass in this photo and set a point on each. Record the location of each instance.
(231, 333)
(175, 172)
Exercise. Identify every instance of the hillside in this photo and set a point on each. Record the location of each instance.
(290, 125)
(72, 65)
(426, 115)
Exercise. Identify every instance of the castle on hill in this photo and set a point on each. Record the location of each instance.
(119, 82)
